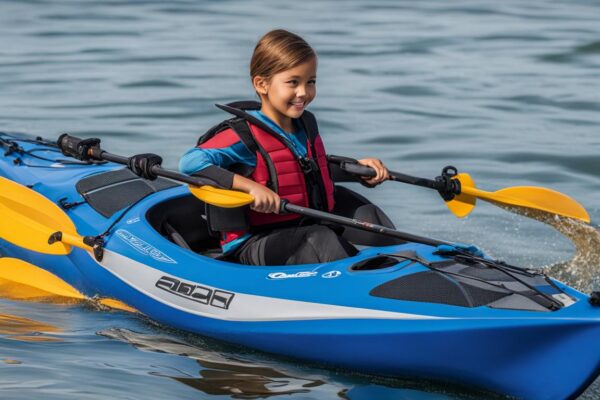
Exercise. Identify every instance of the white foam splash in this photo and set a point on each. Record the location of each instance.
(582, 271)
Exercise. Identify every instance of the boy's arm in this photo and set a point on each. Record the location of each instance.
(213, 163)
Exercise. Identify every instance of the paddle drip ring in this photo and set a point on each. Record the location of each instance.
(97, 245)
(447, 187)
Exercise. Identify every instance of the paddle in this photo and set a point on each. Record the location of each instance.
(201, 187)
(31, 232)
(38, 218)
(27, 281)
(29, 220)
(460, 193)
(37, 224)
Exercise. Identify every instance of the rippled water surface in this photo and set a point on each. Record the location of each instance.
(506, 91)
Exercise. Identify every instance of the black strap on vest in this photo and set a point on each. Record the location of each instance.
(311, 128)
(241, 128)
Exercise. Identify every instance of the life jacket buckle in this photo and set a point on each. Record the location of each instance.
(308, 165)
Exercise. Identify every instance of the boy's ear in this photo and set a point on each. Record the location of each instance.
(261, 85)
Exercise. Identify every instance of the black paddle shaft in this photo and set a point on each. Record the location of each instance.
(83, 149)
(352, 166)
(160, 171)
(287, 207)
(363, 170)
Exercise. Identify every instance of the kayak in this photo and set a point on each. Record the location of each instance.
(406, 310)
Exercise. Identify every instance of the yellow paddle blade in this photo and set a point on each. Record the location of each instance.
(32, 277)
(461, 205)
(221, 197)
(27, 219)
(24, 281)
(16, 291)
(537, 198)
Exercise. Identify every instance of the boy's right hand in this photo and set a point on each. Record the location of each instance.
(265, 200)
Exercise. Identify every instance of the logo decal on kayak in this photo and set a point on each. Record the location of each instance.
(283, 275)
(331, 274)
(143, 247)
(193, 292)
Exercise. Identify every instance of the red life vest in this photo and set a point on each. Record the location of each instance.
(302, 181)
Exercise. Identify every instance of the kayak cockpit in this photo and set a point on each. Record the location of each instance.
(182, 220)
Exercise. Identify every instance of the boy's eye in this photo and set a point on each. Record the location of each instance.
(312, 82)
(292, 82)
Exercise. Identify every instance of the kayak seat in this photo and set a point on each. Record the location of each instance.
(350, 204)
(182, 220)
(175, 236)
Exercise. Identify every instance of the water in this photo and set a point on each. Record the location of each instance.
(505, 91)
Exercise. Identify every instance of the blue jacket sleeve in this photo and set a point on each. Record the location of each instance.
(197, 159)
(214, 162)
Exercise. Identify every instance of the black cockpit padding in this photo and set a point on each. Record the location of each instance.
(427, 286)
(434, 287)
(111, 191)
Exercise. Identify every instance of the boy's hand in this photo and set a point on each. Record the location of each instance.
(382, 172)
(265, 200)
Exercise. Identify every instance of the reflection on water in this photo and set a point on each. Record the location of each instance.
(11, 361)
(27, 330)
(222, 374)
(247, 377)
(241, 384)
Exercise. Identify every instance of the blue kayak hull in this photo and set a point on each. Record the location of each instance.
(322, 313)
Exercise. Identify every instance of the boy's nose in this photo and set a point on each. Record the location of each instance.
(300, 91)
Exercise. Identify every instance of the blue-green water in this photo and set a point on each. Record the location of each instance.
(507, 91)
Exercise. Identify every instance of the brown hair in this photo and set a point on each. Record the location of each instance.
(279, 50)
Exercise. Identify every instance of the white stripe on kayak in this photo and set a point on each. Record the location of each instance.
(243, 307)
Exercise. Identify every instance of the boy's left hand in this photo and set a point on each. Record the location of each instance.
(382, 172)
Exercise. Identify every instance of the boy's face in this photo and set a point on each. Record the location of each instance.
(288, 93)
